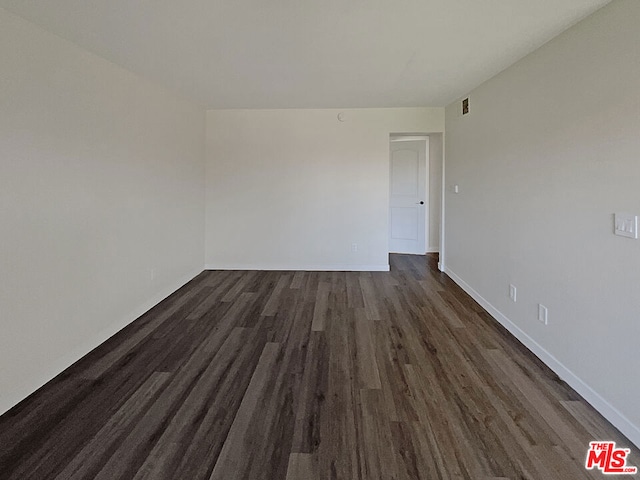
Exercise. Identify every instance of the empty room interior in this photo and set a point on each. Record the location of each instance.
(319, 240)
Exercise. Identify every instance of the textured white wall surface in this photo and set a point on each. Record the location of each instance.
(294, 189)
(549, 151)
(101, 202)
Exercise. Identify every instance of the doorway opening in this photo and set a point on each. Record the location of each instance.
(415, 189)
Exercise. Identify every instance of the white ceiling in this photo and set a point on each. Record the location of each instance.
(306, 53)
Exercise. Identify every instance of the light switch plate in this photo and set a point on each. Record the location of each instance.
(626, 225)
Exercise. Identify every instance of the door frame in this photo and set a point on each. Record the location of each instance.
(412, 137)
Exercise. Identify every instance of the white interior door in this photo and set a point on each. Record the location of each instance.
(407, 209)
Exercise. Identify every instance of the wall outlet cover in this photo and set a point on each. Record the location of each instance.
(543, 313)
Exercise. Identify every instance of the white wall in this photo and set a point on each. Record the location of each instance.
(294, 189)
(435, 191)
(549, 151)
(101, 182)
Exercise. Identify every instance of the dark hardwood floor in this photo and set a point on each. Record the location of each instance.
(302, 376)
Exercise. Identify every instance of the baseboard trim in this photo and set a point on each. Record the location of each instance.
(61, 364)
(433, 250)
(296, 267)
(618, 419)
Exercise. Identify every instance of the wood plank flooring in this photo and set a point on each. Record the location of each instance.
(303, 376)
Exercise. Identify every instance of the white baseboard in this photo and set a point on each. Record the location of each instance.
(619, 420)
(296, 267)
(433, 250)
(9, 399)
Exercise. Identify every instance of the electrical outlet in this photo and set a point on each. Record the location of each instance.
(354, 247)
(513, 292)
(543, 314)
